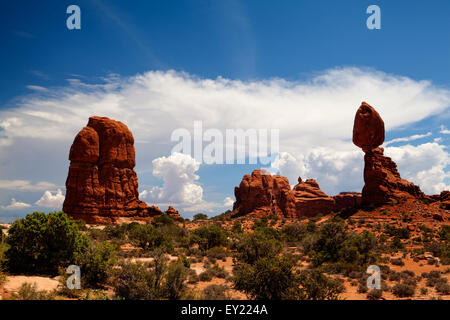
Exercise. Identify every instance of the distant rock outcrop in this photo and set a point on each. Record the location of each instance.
(101, 184)
(381, 177)
(173, 213)
(310, 200)
(262, 194)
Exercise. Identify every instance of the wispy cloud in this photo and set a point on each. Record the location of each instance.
(16, 205)
(407, 139)
(444, 130)
(23, 34)
(25, 185)
(37, 88)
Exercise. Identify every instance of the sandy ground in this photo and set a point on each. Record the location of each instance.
(13, 283)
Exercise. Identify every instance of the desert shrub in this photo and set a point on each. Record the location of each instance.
(317, 286)
(148, 237)
(211, 272)
(42, 243)
(362, 288)
(133, 281)
(423, 291)
(444, 233)
(217, 253)
(97, 234)
(3, 249)
(215, 292)
(392, 231)
(209, 237)
(28, 291)
(441, 250)
(200, 216)
(237, 227)
(185, 261)
(260, 223)
(269, 278)
(442, 288)
(163, 220)
(402, 290)
(293, 233)
(395, 276)
(333, 244)
(374, 294)
(252, 246)
(96, 262)
(397, 244)
(269, 232)
(397, 261)
(174, 285)
(116, 232)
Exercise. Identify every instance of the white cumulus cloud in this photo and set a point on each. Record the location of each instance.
(51, 200)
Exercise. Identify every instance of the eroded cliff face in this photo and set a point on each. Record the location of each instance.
(102, 184)
(381, 177)
(262, 194)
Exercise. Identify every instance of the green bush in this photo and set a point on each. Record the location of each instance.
(215, 292)
(293, 233)
(209, 237)
(134, 281)
(28, 291)
(269, 278)
(200, 216)
(332, 243)
(317, 286)
(148, 237)
(217, 253)
(237, 227)
(374, 294)
(253, 246)
(41, 243)
(96, 262)
(174, 283)
(403, 290)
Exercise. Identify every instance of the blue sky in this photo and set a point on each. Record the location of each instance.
(248, 42)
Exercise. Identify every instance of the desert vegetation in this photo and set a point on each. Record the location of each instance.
(224, 257)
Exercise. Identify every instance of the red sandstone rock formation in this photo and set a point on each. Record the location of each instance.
(173, 213)
(102, 184)
(382, 180)
(347, 200)
(262, 194)
(310, 200)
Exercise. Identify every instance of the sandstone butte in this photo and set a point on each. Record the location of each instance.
(262, 194)
(102, 185)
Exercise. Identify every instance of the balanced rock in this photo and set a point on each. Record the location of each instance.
(368, 128)
(101, 184)
(382, 179)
